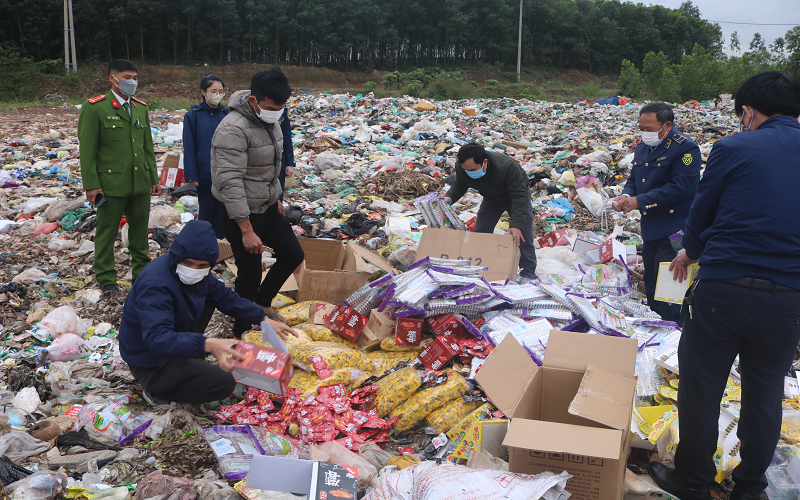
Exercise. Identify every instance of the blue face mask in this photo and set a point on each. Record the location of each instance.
(477, 174)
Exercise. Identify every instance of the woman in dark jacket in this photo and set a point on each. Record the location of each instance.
(199, 125)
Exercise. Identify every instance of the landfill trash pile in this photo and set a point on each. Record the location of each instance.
(386, 378)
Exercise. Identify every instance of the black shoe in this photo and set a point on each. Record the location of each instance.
(668, 480)
(738, 494)
(111, 287)
(154, 401)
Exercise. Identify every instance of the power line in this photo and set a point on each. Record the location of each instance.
(754, 24)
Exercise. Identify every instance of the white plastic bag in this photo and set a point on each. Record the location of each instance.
(592, 200)
(67, 347)
(60, 321)
(327, 160)
(19, 446)
(545, 267)
(35, 204)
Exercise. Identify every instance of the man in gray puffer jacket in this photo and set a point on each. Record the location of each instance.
(246, 155)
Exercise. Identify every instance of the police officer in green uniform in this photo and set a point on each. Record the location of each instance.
(118, 165)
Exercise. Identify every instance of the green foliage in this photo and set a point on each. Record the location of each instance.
(18, 77)
(393, 80)
(630, 80)
(700, 76)
(669, 88)
(447, 86)
(591, 90)
(652, 71)
(370, 86)
(492, 82)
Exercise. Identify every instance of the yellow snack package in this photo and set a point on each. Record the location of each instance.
(449, 415)
(297, 313)
(396, 388)
(335, 355)
(321, 334)
(308, 383)
(388, 345)
(255, 337)
(424, 402)
(383, 361)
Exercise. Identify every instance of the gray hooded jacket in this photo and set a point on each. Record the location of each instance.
(246, 160)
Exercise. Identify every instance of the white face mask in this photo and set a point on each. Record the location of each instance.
(190, 276)
(268, 116)
(214, 99)
(651, 138)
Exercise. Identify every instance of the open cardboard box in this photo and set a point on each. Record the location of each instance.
(497, 251)
(331, 271)
(573, 413)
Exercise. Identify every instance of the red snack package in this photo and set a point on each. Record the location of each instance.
(408, 331)
(320, 366)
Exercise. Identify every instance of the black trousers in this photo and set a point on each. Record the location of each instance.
(488, 215)
(654, 252)
(763, 328)
(276, 233)
(210, 208)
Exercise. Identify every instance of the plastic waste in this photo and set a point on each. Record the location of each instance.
(27, 400)
(60, 321)
(36, 204)
(45, 228)
(42, 485)
(209, 487)
(19, 446)
(29, 275)
(67, 347)
(118, 493)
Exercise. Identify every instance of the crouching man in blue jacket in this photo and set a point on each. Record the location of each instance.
(160, 335)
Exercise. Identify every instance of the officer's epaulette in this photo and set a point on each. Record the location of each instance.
(679, 138)
(97, 99)
(139, 101)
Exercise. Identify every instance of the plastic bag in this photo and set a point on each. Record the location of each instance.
(373, 454)
(327, 160)
(42, 485)
(449, 415)
(309, 382)
(297, 313)
(28, 275)
(209, 487)
(163, 215)
(567, 178)
(335, 356)
(67, 347)
(45, 228)
(334, 453)
(60, 321)
(26, 400)
(390, 345)
(383, 361)
(234, 447)
(19, 446)
(118, 493)
(257, 338)
(431, 481)
(424, 402)
(162, 482)
(55, 212)
(396, 388)
(592, 200)
(35, 204)
(319, 333)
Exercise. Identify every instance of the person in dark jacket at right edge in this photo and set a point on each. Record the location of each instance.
(743, 230)
(504, 187)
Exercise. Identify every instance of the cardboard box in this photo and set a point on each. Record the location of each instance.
(649, 415)
(264, 368)
(380, 326)
(347, 322)
(172, 171)
(573, 413)
(318, 480)
(319, 313)
(468, 111)
(225, 251)
(559, 237)
(583, 246)
(612, 249)
(331, 271)
(408, 331)
(439, 352)
(496, 251)
(447, 324)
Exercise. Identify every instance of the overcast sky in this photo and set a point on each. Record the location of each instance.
(745, 11)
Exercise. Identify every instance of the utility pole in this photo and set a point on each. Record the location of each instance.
(72, 38)
(519, 44)
(66, 39)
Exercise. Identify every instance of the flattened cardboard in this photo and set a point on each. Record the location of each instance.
(225, 251)
(668, 289)
(605, 397)
(576, 351)
(498, 252)
(506, 378)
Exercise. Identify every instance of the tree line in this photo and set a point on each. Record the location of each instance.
(702, 74)
(591, 35)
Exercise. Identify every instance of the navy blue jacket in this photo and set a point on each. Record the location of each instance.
(664, 182)
(160, 308)
(287, 160)
(744, 219)
(199, 125)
